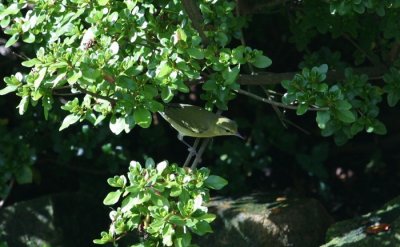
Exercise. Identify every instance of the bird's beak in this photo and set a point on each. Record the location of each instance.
(239, 135)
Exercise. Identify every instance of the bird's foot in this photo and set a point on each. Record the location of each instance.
(192, 151)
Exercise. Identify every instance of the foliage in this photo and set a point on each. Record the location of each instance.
(14, 168)
(115, 63)
(352, 104)
(123, 57)
(165, 203)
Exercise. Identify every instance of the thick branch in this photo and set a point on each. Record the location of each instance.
(193, 11)
(268, 78)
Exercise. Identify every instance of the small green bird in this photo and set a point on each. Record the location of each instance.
(194, 121)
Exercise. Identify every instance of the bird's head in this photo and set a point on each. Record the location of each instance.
(226, 126)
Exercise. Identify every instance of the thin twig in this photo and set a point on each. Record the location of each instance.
(66, 94)
(291, 107)
(22, 56)
(275, 108)
(297, 126)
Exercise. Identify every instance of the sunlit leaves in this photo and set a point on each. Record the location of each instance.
(125, 58)
(148, 195)
(345, 108)
(112, 197)
(142, 117)
(68, 120)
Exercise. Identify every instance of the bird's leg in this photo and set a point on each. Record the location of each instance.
(191, 154)
(190, 148)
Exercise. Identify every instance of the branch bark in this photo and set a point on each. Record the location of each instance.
(193, 11)
(267, 78)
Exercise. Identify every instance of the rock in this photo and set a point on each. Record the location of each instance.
(66, 220)
(378, 228)
(278, 222)
(69, 219)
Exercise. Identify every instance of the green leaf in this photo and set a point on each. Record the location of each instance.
(117, 125)
(30, 63)
(356, 127)
(23, 105)
(166, 94)
(207, 217)
(9, 89)
(161, 167)
(379, 128)
(215, 182)
(142, 117)
(392, 98)
(322, 118)
(195, 53)
(68, 120)
(202, 228)
(230, 75)
(301, 109)
(181, 35)
(105, 238)
(112, 197)
(39, 79)
(343, 105)
(11, 41)
(163, 70)
(102, 2)
(262, 61)
(126, 82)
(150, 163)
(59, 80)
(345, 116)
(28, 38)
(177, 220)
(323, 69)
(5, 21)
(183, 239)
(72, 79)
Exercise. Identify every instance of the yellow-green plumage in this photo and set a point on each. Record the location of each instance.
(194, 121)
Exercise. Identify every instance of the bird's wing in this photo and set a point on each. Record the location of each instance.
(183, 115)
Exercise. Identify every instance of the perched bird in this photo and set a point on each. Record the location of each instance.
(194, 121)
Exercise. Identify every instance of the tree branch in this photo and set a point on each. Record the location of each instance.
(268, 78)
(95, 95)
(194, 14)
(278, 104)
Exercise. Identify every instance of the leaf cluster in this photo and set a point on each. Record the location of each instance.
(164, 202)
(123, 60)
